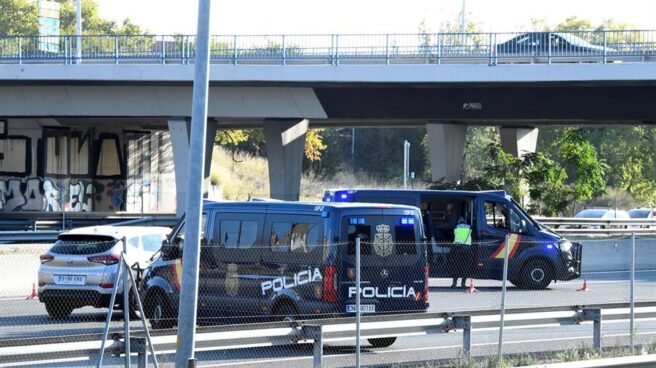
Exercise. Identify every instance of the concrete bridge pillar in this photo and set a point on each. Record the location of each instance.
(518, 141)
(285, 141)
(446, 145)
(179, 131)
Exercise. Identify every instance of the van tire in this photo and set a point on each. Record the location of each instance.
(383, 342)
(58, 311)
(161, 316)
(536, 274)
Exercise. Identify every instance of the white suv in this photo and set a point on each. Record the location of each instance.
(80, 268)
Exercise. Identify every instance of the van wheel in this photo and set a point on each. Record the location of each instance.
(58, 311)
(161, 316)
(517, 282)
(536, 275)
(382, 342)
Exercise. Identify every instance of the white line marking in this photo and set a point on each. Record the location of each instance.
(12, 298)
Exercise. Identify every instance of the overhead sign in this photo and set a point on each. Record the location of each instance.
(49, 26)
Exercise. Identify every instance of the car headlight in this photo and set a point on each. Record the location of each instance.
(565, 245)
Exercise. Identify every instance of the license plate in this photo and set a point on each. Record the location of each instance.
(364, 308)
(70, 279)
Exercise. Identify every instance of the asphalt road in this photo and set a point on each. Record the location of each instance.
(23, 318)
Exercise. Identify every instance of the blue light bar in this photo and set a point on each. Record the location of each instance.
(356, 221)
(343, 196)
(407, 220)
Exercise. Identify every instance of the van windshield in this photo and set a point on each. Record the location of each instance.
(382, 235)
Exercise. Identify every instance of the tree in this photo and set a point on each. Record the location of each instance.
(580, 159)
(18, 17)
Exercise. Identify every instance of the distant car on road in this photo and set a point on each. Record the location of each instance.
(642, 214)
(540, 43)
(80, 268)
(602, 214)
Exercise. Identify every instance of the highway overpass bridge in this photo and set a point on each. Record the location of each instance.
(97, 133)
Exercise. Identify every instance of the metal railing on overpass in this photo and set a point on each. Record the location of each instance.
(317, 332)
(336, 49)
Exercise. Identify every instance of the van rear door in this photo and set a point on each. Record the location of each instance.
(393, 259)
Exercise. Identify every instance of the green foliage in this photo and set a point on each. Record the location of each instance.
(18, 17)
(580, 158)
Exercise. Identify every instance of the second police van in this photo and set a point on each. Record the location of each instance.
(537, 255)
(293, 260)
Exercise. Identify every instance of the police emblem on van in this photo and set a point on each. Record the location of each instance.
(232, 280)
(383, 240)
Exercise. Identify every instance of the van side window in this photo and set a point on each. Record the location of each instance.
(499, 216)
(179, 237)
(236, 234)
(229, 236)
(297, 237)
(364, 233)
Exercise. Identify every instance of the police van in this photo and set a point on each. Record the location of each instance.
(293, 260)
(537, 255)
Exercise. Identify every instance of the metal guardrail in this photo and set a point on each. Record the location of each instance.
(336, 49)
(319, 331)
(50, 236)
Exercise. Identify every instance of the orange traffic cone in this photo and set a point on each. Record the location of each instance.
(585, 286)
(471, 289)
(34, 294)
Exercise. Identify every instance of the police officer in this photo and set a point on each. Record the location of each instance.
(462, 237)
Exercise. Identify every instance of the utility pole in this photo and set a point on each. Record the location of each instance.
(406, 163)
(184, 356)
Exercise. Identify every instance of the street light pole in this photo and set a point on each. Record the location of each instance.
(184, 356)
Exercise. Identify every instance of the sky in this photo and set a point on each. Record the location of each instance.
(368, 16)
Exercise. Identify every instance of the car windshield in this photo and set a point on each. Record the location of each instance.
(639, 213)
(82, 244)
(577, 41)
(598, 213)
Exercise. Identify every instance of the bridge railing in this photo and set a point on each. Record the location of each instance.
(426, 48)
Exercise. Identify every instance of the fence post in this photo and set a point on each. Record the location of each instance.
(357, 302)
(20, 50)
(605, 42)
(234, 49)
(284, 51)
(549, 49)
(116, 49)
(387, 52)
(464, 323)
(126, 303)
(632, 301)
(315, 332)
(503, 300)
(439, 49)
(108, 320)
(492, 46)
(595, 316)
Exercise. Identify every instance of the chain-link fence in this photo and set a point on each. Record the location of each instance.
(262, 304)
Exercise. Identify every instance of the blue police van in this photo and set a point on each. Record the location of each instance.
(293, 260)
(537, 255)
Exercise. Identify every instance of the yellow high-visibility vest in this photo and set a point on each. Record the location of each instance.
(462, 234)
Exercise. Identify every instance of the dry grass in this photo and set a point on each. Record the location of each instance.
(243, 176)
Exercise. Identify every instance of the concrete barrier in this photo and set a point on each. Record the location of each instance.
(615, 254)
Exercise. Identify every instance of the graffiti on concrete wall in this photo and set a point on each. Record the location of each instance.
(71, 169)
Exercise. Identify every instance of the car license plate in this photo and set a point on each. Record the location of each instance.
(364, 308)
(70, 279)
